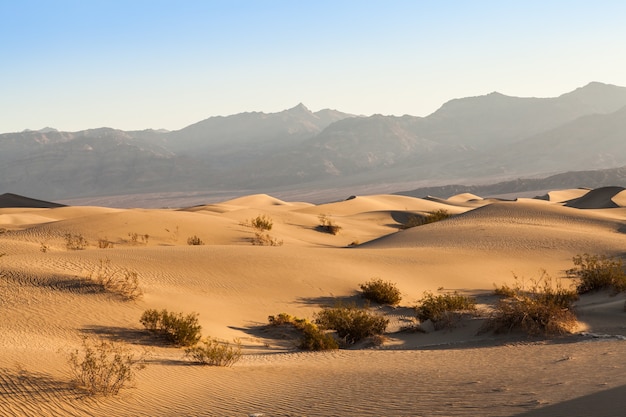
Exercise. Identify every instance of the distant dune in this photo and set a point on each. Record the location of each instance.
(47, 305)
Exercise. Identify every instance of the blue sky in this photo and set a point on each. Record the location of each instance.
(136, 64)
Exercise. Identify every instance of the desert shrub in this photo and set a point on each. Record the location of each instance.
(352, 324)
(327, 225)
(194, 241)
(122, 281)
(262, 223)
(381, 292)
(504, 291)
(265, 239)
(541, 308)
(136, 238)
(103, 367)
(312, 337)
(75, 242)
(214, 352)
(105, 244)
(444, 309)
(175, 327)
(44, 248)
(415, 220)
(596, 272)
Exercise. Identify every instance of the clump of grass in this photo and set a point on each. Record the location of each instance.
(121, 281)
(312, 337)
(541, 308)
(444, 309)
(265, 239)
(75, 242)
(137, 238)
(182, 330)
(327, 225)
(214, 352)
(381, 292)
(262, 223)
(415, 220)
(105, 243)
(194, 241)
(595, 272)
(103, 367)
(351, 323)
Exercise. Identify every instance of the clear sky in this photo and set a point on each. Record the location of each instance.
(136, 64)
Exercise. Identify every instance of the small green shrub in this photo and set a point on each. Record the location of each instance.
(444, 309)
(214, 352)
(327, 225)
(595, 272)
(313, 338)
(178, 329)
(194, 241)
(352, 324)
(103, 368)
(542, 308)
(75, 242)
(381, 292)
(262, 223)
(415, 220)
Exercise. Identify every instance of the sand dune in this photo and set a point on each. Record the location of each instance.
(234, 286)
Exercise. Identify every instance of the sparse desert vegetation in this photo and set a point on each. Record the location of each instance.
(75, 241)
(213, 352)
(596, 272)
(540, 307)
(444, 310)
(102, 367)
(351, 323)
(121, 281)
(328, 225)
(381, 292)
(312, 337)
(194, 241)
(179, 329)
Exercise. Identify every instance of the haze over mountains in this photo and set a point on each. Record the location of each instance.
(472, 140)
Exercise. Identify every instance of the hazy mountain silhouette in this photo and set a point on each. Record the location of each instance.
(475, 139)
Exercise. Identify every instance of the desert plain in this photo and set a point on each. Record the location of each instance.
(46, 307)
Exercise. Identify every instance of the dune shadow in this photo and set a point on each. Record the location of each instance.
(123, 334)
(36, 386)
(607, 403)
(331, 301)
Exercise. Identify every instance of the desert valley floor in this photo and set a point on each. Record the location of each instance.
(46, 307)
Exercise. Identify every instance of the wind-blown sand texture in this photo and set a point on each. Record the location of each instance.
(234, 286)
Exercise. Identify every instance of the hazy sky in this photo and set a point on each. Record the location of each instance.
(136, 64)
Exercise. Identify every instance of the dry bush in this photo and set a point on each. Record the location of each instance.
(136, 238)
(175, 327)
(103, 367)
(121, 281)
(194, 241)
(381, 292)
(214, 352)
(105, 244)
(595, 272)
(444, 309)
(312, 337)
(265, 239)
(75, 242)
(327, 225)
(262, 223)
(351, 323)
(540, 308)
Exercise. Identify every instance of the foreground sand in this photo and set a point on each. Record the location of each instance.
(234, 286)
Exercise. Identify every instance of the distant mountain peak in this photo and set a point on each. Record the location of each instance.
(299, 108)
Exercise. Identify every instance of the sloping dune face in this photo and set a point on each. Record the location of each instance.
(202, 260)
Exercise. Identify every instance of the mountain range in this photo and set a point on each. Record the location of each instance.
(326, 154)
